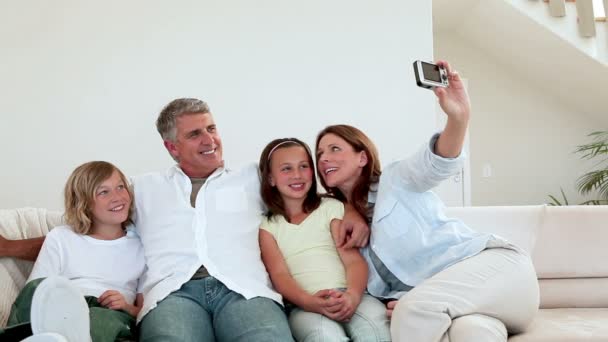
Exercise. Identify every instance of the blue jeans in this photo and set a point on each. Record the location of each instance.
(206, 310)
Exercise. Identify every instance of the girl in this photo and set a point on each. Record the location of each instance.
(454, 284)
(325, 283)
(96, 252)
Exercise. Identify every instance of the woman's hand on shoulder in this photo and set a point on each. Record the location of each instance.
(353, 230)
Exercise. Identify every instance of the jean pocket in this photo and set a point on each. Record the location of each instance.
(214, 288)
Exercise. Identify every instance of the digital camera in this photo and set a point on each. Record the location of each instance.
(429, 75)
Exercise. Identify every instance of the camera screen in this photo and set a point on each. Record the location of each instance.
(431, 72)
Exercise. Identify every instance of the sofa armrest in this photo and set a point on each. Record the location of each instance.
(23, 223)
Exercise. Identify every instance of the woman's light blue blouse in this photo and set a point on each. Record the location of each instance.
(410, 234)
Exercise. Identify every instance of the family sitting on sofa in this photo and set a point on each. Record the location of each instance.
(199, 228)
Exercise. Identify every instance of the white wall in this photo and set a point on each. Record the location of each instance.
(525, 134)
(84, 80)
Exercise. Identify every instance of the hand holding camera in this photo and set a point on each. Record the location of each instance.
(447, 86)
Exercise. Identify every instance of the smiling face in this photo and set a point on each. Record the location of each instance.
(291, 172)
(339, 165)
(111, 203)
(197, 146)
(287, 181)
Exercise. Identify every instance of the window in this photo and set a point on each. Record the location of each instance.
(598, 9)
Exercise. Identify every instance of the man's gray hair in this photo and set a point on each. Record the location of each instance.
(165, 123)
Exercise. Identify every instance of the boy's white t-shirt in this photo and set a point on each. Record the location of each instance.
(93, 265)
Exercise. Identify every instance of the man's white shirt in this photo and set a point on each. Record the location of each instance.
(221, 232)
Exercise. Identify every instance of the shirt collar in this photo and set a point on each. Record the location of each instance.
(176, 170)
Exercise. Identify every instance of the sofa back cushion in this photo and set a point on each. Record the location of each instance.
(15, 224)
(518, 224)
(570, 257)
(572, 243)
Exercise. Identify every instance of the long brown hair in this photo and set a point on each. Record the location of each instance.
(369, 174)
(270, 194)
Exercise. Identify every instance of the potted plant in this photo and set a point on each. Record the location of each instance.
(595, 180)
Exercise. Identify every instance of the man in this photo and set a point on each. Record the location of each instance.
(198, 222)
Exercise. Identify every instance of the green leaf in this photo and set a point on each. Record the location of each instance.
(598, 146)
(556, 202)
(592, 181)
(596, 180)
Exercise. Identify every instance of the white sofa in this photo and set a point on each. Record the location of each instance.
(569, 249)
(566, 244)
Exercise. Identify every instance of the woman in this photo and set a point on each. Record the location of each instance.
(452, 284)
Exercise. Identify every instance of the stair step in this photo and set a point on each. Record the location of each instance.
(557, 8)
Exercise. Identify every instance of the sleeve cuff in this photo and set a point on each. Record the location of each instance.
(432, 143)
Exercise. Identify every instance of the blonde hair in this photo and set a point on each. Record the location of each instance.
(79, 194)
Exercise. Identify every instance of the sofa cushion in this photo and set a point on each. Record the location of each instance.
(518, 224)
(574, 293)
(21, 223)
(566, 325)
(572, 243)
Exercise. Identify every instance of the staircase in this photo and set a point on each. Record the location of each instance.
(573, 21)
(585, 11)
(556, 44)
